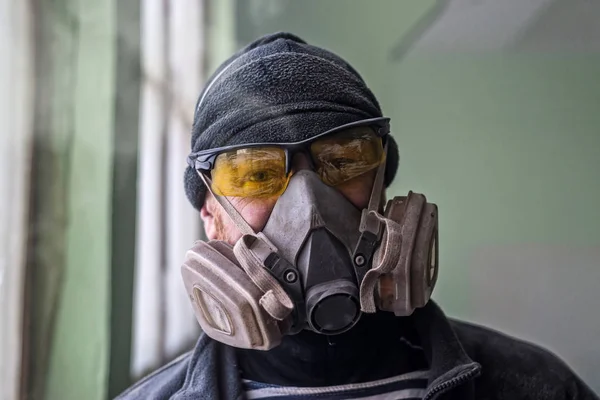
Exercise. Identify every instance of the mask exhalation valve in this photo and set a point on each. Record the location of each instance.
(333, 308)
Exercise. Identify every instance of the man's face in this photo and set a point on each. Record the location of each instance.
(256, 211)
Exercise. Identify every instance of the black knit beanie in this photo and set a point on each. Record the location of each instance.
(279, 89)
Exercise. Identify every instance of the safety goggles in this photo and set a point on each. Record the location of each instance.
(263, 170)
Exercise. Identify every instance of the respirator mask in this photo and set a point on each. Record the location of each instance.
(319, 262)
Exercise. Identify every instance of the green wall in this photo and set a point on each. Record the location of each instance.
(507, 144)
(80, 343)
(80, 267)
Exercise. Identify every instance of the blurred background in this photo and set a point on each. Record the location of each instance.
(495, 106)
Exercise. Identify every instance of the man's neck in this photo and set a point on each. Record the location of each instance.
(379, 346)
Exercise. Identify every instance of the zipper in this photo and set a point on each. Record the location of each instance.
(450, 384)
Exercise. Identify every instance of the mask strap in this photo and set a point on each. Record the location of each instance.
(239, 221)
(370, 226)
(375, 198)
(384, 262)
(275, 300)
(369, 221)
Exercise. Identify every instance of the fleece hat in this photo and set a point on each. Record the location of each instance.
(279, 89)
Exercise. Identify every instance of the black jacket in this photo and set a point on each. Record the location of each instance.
(465, 362)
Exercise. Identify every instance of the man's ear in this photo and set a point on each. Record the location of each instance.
(208, 217)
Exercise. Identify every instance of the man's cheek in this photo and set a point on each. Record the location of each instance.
(257, 211)
(357, 192)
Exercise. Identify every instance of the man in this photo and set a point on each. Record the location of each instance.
(311, 286)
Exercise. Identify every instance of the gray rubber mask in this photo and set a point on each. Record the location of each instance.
(316, 230)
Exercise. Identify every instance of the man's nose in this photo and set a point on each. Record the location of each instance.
(300, 162)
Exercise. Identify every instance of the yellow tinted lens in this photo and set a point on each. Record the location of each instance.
(346, 155)
(250, 172)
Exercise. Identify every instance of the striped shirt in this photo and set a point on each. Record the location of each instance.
(409, 386)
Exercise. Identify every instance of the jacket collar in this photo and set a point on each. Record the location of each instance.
(449, 364)
(213, 371)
